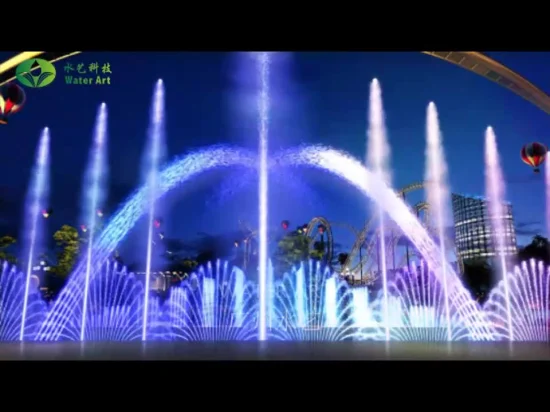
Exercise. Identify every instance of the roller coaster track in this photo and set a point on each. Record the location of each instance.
(312, 230)
(370, 259)
(369, 226)
(475, 62)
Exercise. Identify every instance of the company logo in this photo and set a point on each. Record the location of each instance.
(41, 76)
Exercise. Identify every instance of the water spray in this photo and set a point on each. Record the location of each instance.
(93, 198)
(378, 154)
(494, 185)
(437, 195)
(263, 60)
(155, 138)
(36, 201)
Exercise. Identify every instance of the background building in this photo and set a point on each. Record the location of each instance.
(473, 238)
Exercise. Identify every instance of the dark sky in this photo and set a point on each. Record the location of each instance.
(318, 98)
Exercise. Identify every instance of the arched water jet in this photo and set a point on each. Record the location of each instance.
(419, 310)
(176, 173)
(12, 292)
(527, 300)
(354, 172)
(114, 311)
(331, 160)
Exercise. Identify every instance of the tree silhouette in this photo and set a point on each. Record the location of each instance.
(5, 243)
(478, 279)
(538, 249)
(68, 245)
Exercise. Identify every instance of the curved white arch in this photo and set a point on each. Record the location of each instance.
(328, 159)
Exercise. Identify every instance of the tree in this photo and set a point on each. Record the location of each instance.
(68, 244)
(5, 243)
(478, 279)
(538, 249)
(293, 249)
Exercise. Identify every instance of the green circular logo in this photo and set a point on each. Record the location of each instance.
(35, 73)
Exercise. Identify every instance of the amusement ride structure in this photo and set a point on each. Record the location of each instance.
(360, 264)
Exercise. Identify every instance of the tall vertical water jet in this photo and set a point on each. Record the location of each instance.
(378, 156)
(153, 154)
(437, 192)
(37, 199)
(94, 195)
(494, 186)
(331, 303)
(263, 60)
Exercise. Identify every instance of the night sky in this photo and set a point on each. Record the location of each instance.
(317, 98)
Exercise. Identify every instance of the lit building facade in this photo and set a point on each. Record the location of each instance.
(473, 233)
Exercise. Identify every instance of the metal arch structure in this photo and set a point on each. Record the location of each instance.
(312, 230)
(472, 61)
(483, 65)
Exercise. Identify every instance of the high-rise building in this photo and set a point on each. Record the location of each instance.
(473, 233)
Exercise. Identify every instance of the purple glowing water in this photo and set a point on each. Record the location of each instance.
(36, 201)
(216, 303)
(114, 311)
(420, 309)
(494, 185)
(378, 156)
(156, 136)
(437, 192)
(547, 193)
(14, 294)
(525, 297)
(344, 166)
(177, 173)
(312, 304)
(372, 186)
(94, 196)
(263, 130)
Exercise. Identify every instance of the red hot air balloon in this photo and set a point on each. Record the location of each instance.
(12, 99)
(83, 228)
(534, 155)
(99, 213)
(157, 223)
(46, 213)
(321, 229)
(285, 224)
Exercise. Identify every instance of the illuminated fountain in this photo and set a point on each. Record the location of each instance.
(494, 185)
(315, 305)
(21, 308)
(188, 167)
(520, 305)
(36, 208)
(378, 155)
(153, 156)
(95, 181)
(104, 302)
(215, 304)
(420, 310)
(437, 192)
(114, 309)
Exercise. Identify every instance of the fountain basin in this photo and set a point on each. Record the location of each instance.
(350, 351)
